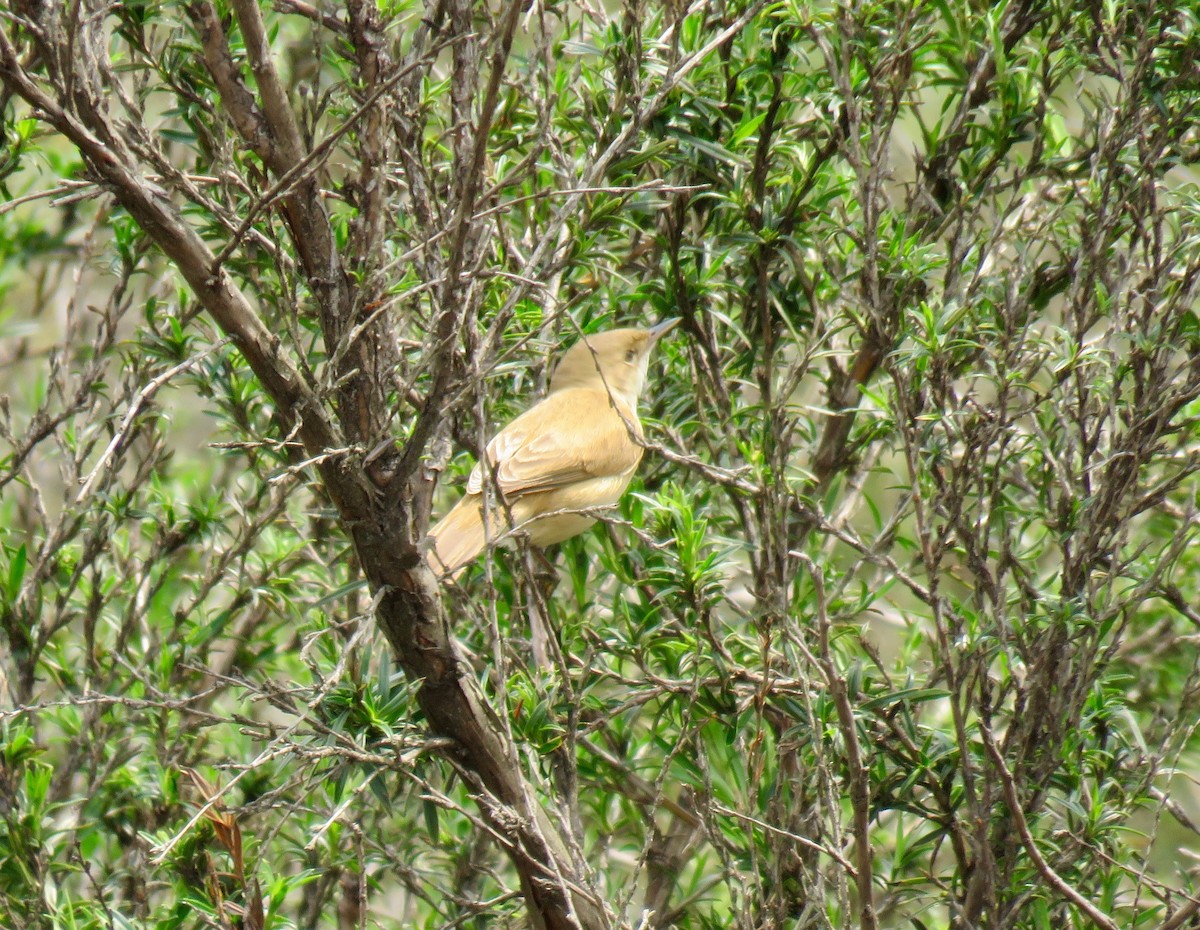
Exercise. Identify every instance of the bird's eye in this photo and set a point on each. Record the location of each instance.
(631, 355)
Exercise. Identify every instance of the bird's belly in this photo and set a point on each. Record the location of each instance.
(546, 531)
(542, 517)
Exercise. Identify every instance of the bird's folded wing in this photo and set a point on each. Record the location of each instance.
(571, 436)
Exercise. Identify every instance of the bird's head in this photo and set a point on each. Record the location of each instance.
(615, 360)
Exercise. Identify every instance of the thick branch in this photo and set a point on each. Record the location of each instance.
(271, 131)
(276, 107)
(410, 610)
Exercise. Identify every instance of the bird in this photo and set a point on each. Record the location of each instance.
(571, 453)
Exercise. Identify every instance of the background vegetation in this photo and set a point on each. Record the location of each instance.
(898, 626)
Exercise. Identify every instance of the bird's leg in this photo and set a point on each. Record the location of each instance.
(545, 572)
(542, 577)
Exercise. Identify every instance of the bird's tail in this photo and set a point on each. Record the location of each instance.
(458, 537)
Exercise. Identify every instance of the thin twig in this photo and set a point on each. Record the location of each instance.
(139, 399)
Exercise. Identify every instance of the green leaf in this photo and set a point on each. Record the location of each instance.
(431, 813)
(908, 696)
(17, 562)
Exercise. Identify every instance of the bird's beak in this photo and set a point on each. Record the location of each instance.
(658, 330)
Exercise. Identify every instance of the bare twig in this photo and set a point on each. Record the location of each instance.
(143, 395)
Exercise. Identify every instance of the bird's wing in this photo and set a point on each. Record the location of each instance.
(573, 435)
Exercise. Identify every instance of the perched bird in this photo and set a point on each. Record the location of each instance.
(573, 451)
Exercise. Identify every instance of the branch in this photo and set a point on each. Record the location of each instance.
(1056, 881)
(860, 786)
(276, 108)
(298, 7)
(449, 319)
(272, 133)
(143, 394)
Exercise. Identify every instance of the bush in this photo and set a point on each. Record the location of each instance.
(897, 625)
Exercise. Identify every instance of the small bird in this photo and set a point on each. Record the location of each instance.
(575, 450)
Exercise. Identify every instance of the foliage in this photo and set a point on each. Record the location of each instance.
(897, 626)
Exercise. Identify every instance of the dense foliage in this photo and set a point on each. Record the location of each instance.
(898, 626)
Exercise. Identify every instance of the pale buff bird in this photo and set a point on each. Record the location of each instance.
(573, 451)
